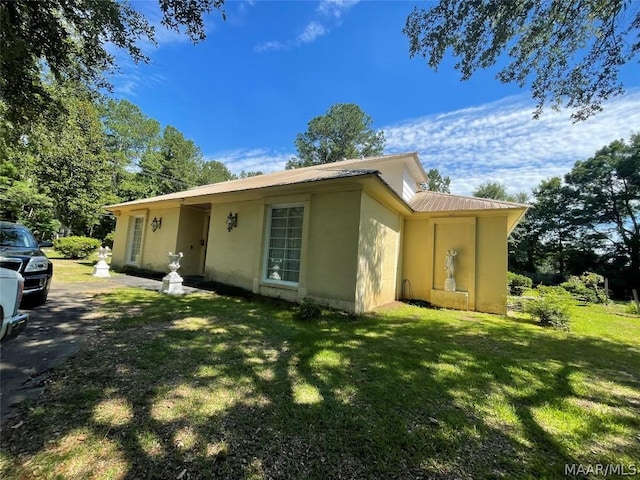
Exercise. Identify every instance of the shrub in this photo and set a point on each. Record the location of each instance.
(108, 239)
(586, 288)
(551, 307)
(518, 283)
(633, 308)
(76, 247)
(308, 310)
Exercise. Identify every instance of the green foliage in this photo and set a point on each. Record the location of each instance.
(76, 247)
(518, 283)
(587, 288)
(606, 190)
(108, 239)
(437, 183)
(633, 308)
(308, 310)
(551, 307)
(343, 132)
(570, 52)
(75, 40)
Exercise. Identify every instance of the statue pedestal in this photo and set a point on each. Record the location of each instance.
(452, 300)
(450, 285)
(101, 269)
(172, 284)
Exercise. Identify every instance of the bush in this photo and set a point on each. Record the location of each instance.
(518, 283)
(308, 310)
(586, 288)
(551, 307)
(633, 308)
(108, 240)
(76, 247)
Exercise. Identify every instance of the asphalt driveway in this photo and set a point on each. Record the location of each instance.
(56, 331)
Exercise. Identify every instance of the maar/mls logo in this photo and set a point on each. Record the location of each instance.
(601, 469)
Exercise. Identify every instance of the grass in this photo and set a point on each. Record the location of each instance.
(74, 271)
(208, 386)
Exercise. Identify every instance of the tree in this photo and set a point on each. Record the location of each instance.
(493, 190)
(436, 182)
(175, 165)
(70, 163)
(343, 132)
(129, 136)
(72, 40)
(214, 172)
(569, 51)
(607, 192)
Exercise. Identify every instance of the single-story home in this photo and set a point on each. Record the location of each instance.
(353, 235)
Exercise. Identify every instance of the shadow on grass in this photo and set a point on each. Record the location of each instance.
(224, 387)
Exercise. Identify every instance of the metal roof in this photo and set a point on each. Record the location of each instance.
(444, 202)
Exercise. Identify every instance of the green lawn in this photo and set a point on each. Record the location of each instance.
(207, 386)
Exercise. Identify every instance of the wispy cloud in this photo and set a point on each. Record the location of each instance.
(497, 141)
(500, 141)
(258, 159)
(329, 15)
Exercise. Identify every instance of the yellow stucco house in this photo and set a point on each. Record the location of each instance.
(352, 235)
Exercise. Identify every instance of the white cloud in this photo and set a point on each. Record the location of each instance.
(248, 160)
(331, 13)
(335, 8)
(500, 141)
(312, 31)
(271, 46)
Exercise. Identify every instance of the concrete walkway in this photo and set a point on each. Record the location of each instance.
(56, 331)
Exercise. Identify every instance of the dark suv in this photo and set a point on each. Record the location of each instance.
(20, 251)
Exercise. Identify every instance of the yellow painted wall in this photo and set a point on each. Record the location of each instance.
(120, 240)
(189, 239)
(333, 247)
(155, 245)
(233, 257)
(378, 252)
(417, 260)
(491, 265)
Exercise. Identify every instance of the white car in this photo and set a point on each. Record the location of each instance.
(11, 288)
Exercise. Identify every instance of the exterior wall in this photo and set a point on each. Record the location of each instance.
(393, 174)
(333, 248)
(155, 245)
(233, 257)
(417, 260)
(329, 247)
(378, 255)
(480, 266)
(491, 265)
(190, 239)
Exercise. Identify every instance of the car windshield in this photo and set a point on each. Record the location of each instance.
(16, 236)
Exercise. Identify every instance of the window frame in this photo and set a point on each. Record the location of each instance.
(267, 240)
(131, 236)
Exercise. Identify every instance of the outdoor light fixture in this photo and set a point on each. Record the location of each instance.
(156, 223)
(232, 221)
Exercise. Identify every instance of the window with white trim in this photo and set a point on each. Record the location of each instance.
(284, 244)
(135, 239)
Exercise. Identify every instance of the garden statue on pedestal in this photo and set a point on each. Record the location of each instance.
(172, 282)
(101, 268)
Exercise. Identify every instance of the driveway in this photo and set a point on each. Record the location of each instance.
(56, 331)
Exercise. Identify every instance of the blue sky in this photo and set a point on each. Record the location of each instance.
(244, 93)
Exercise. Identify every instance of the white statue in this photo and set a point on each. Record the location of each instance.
(172, 282)
(449, 270)
(101, 268)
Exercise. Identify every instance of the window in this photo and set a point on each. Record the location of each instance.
(135, 239)
(284, 244)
